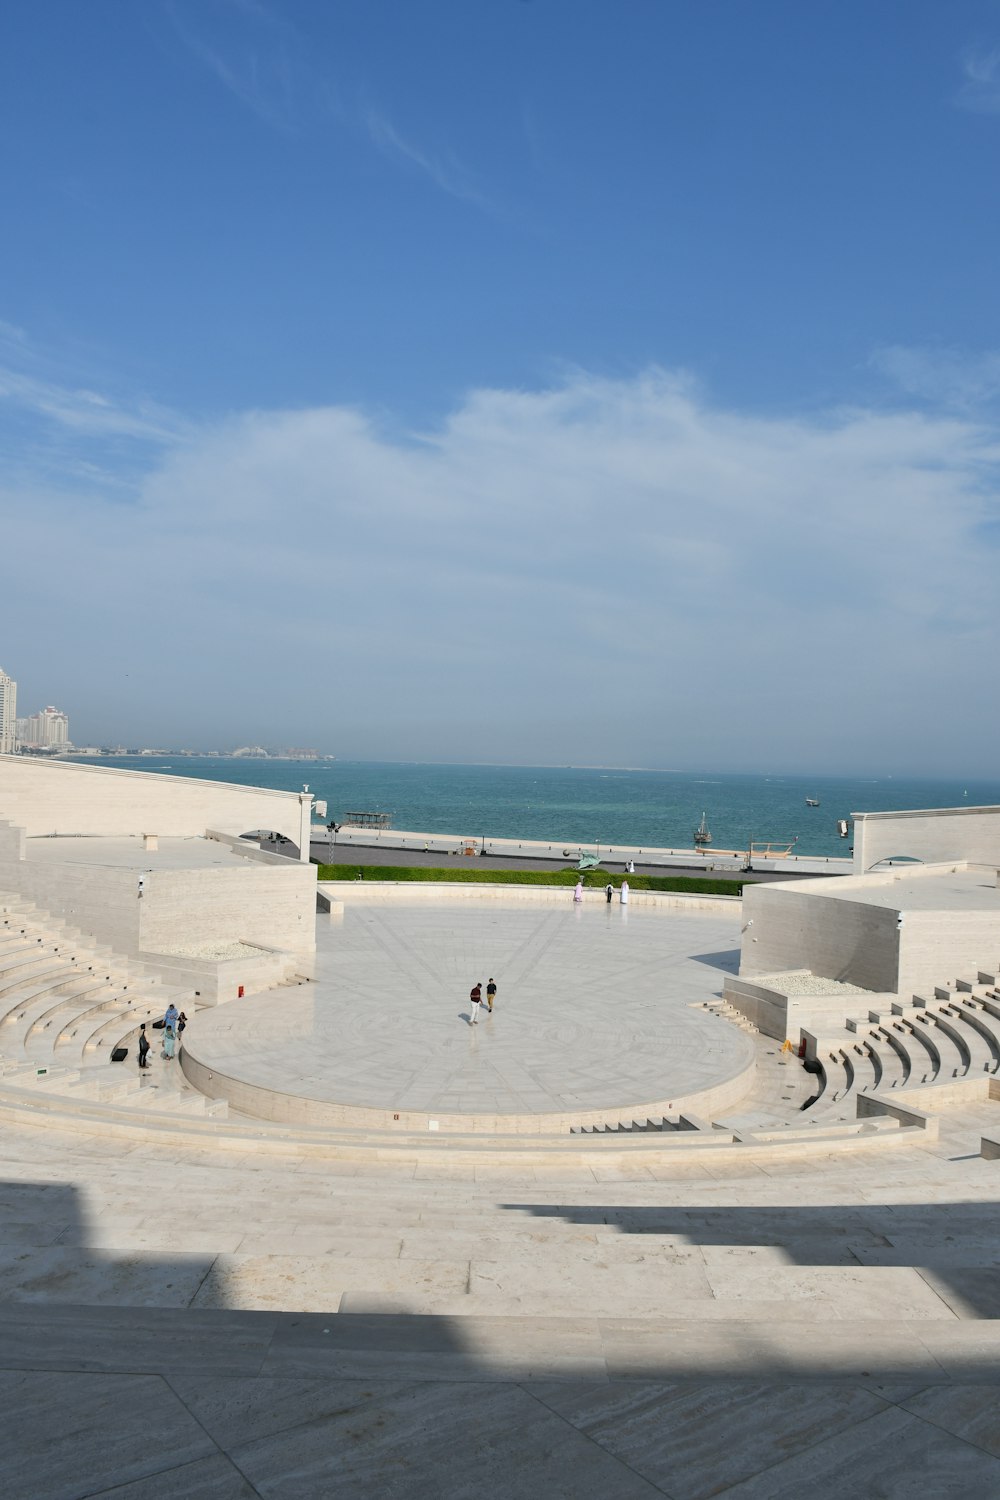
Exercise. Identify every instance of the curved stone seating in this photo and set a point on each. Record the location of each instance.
(920, 1057)
(29, 1010)
(977, 1050)
(899, 1061)
(65, 1003)
(79, 1004)
(889, 1067)
(90, 1029)
(951, 1063)
(976, 1018)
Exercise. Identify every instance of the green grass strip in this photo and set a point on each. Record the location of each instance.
(459, 875)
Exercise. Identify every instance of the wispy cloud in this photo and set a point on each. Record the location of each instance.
(87, 412)
(57, 429)
(258, 66)
(262, 60)
(445, 171)
(955, 378)
(980, 89)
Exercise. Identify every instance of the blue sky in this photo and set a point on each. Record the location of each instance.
(538, 380)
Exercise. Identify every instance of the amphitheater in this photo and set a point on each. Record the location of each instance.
(617, 1239)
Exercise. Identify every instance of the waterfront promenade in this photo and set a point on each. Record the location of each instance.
(398, 846)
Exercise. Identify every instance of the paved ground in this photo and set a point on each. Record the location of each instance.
(184, 1326)
(595, 1011)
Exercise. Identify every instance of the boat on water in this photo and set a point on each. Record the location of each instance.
(812, 802)
(701, 833)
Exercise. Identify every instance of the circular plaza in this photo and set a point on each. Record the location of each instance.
(600, 1016)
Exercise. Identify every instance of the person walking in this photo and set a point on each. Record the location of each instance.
(624, 893)
(143, 1046)
(171, 1015)
(476, 997)
(578, 893)
(169, 1044)
(491, 994)
(609, 891)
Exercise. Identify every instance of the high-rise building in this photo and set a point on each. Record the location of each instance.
(8, 714)
(48, 729)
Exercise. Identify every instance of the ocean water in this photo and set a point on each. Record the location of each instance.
(651, 809)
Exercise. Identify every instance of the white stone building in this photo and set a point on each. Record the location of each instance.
(48, 729)
(8, 714)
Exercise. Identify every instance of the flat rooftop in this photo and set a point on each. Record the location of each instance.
(129, 854)
(909, 890)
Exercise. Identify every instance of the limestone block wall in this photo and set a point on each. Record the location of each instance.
(937, 946)
(216, 980)
(260, 904)
(841, 939)
(273, 906)
(940, 834)
(99, 900)
(783, 1015)
(46, 797)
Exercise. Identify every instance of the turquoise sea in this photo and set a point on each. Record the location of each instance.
(652, 809)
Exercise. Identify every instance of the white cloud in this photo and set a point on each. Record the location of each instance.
(617, 567)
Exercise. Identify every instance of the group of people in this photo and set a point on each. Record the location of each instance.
(173, 1024)
(476, 998)
(609, 892)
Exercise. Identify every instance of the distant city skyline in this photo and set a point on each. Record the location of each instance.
(544, 383)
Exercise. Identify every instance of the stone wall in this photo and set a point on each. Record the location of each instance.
(46, 797)
(819, 928)
(786, 927)
(937, 835)
(937, 946)
(269, 904)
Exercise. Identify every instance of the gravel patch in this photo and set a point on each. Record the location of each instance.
(801, 982)
(212, 950)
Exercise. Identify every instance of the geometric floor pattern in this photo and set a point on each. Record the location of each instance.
(595, 1010)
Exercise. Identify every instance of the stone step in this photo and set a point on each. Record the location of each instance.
(182, 1343)
(975, 1017)
(92, 1030)
(952, 1063)
(921, 1050)
(979, 1054)
(888, 1064)
(21, 1017)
